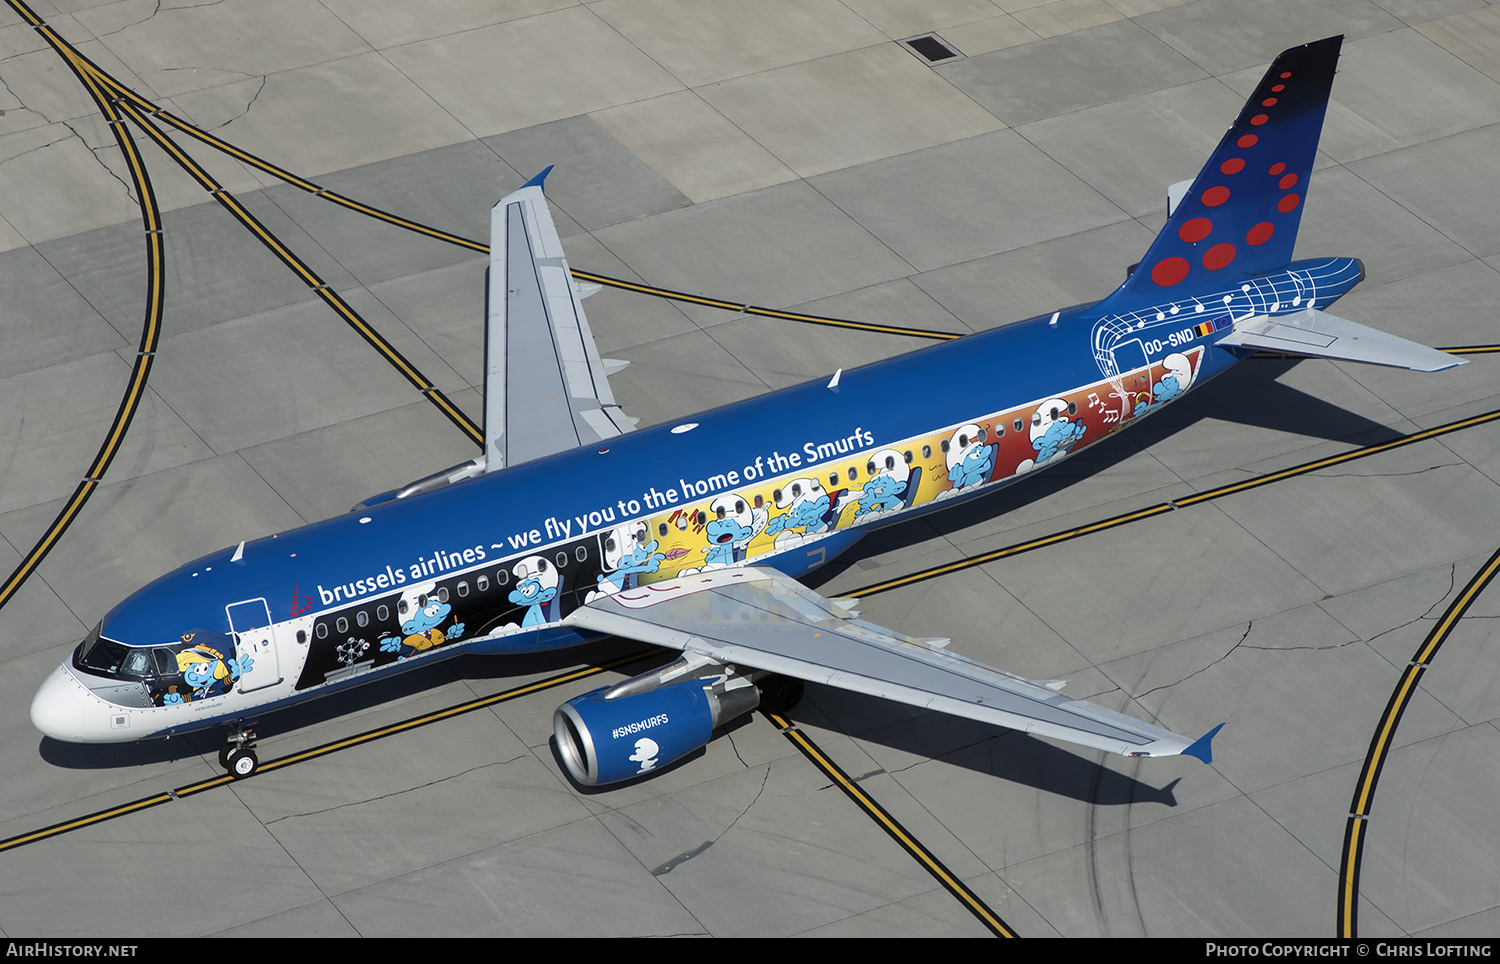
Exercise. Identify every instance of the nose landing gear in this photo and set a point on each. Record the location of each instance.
(237, 756)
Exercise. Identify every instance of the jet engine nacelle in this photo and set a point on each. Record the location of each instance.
(644, 724)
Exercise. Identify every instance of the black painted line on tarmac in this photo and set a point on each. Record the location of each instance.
(1356, 831)
(893, 828)
(1209, 495)
(1354, 838)
(150, 329)
(447, 237)
(302, 756)
(417, 227)
(302, 270)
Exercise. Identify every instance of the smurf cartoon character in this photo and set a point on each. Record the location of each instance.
(970, 460)
(646, 752)
(537, 583)
(732, 524)
(420, 613)
(626, 550)
(806, 503)
(206, 671)
(1177, 379)
(883, 490)
(1053, 433)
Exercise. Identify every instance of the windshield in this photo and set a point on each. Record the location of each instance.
(199, 665)
(99, 655)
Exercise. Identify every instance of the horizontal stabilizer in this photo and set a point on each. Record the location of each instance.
(1175, 194)
(1321, 335)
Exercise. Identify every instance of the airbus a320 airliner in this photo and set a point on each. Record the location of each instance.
(691, 536)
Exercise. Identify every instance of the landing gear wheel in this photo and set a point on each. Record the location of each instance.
(778, 694)
(235, 755)
(241, 763)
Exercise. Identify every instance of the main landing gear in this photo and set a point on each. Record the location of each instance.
(238, 755)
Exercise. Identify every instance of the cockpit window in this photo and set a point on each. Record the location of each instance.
(202, 664)
(99, 655)
(137, 663)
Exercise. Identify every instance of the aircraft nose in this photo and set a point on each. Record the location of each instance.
(62, 709)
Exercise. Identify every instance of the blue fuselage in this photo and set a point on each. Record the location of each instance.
(787, 479)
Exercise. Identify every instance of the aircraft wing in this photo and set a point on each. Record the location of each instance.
(546, 389)
(761, 619)
(1317, 333)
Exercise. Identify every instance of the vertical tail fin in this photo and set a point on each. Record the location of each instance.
(1241, 215)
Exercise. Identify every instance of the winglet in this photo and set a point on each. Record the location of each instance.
(537, 181)
(1202, 748)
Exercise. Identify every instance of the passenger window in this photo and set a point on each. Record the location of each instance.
(482, 583)
(1072, 408)
(463, 589)
(1019, 425)
(362, 619)
(853, 473)
(562, 560)
(580, 553)
(322, 631)
(927, 451)
(302, 636)
(661, 529)
(442, 594)
(382, 612)
(502, 577)
(343, 625)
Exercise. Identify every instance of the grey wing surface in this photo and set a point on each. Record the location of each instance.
(1321, 335)
(761, 619)
(546, 388)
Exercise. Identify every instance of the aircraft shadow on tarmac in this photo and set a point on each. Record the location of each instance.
(1245, 395)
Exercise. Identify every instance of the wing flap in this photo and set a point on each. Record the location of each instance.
(546, 387)
(764, 620)
(1317, 333)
